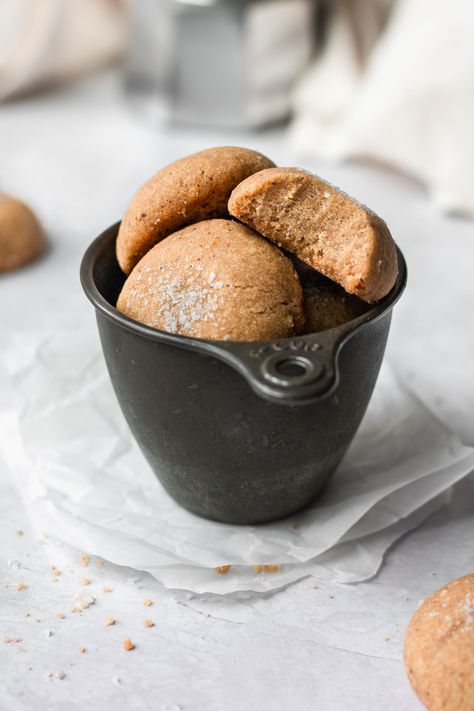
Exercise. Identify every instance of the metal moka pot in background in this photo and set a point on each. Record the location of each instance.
(226, 63)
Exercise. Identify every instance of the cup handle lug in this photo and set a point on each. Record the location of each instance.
(292, 371)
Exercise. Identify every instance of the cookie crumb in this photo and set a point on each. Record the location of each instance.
(128, 645)
(21, 586)
(27, 614)
(84, 601)
(269, 568)
(82, 650)
(57, 573)
(330, 596)
(84, 559)
(57, 674)
(109, 621)
(148, 623)
(20, 532)
(12, 640)
(385, 637)
(222, 569)
(86, 581)
(106, 589)
(147, 602)
(100, 562)
(60, 615)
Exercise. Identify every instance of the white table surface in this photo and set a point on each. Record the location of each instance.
(77, 157)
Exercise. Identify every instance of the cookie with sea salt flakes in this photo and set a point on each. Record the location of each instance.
(322, 226)
(190, 189)
(216, 280)
(21, 236)
(439, 648)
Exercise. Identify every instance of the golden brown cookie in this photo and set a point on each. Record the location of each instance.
(21, 236)
(327, 306)
(321, 225)
(215, 280)
(194, 188)
(439, 648)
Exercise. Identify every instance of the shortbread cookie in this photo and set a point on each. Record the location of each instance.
(194, 188)
(216, 280)
(439, 648)
(321, 225)
(21, 236)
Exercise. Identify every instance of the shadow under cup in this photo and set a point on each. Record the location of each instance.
(238, 432)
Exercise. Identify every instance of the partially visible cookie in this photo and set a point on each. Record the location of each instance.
(328, 305)
(21, 236)
(194, 188)
(216, 280)
(325, 228)
(439, 648)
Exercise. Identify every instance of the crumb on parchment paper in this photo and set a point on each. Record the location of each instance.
(222, 569)
(147, 602)
(269, 568)
(128, 645)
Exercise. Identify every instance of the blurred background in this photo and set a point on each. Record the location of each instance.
(386, 81)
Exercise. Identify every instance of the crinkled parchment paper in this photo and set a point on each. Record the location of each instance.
(86, 484)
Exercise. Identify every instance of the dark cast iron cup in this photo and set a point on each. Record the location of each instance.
(238, 432)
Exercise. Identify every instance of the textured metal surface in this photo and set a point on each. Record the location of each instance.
(225, 440)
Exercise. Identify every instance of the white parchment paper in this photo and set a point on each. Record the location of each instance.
(86, 484)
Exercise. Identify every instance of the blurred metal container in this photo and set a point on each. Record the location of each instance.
(227, 63)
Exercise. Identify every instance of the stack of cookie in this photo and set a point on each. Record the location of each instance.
(223, 245)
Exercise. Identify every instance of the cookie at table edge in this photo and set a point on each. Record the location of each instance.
(439, 647)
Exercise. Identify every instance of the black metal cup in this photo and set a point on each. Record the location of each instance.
(238, 432)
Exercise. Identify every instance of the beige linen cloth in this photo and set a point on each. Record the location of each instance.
(49, 41)
(396, 85)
